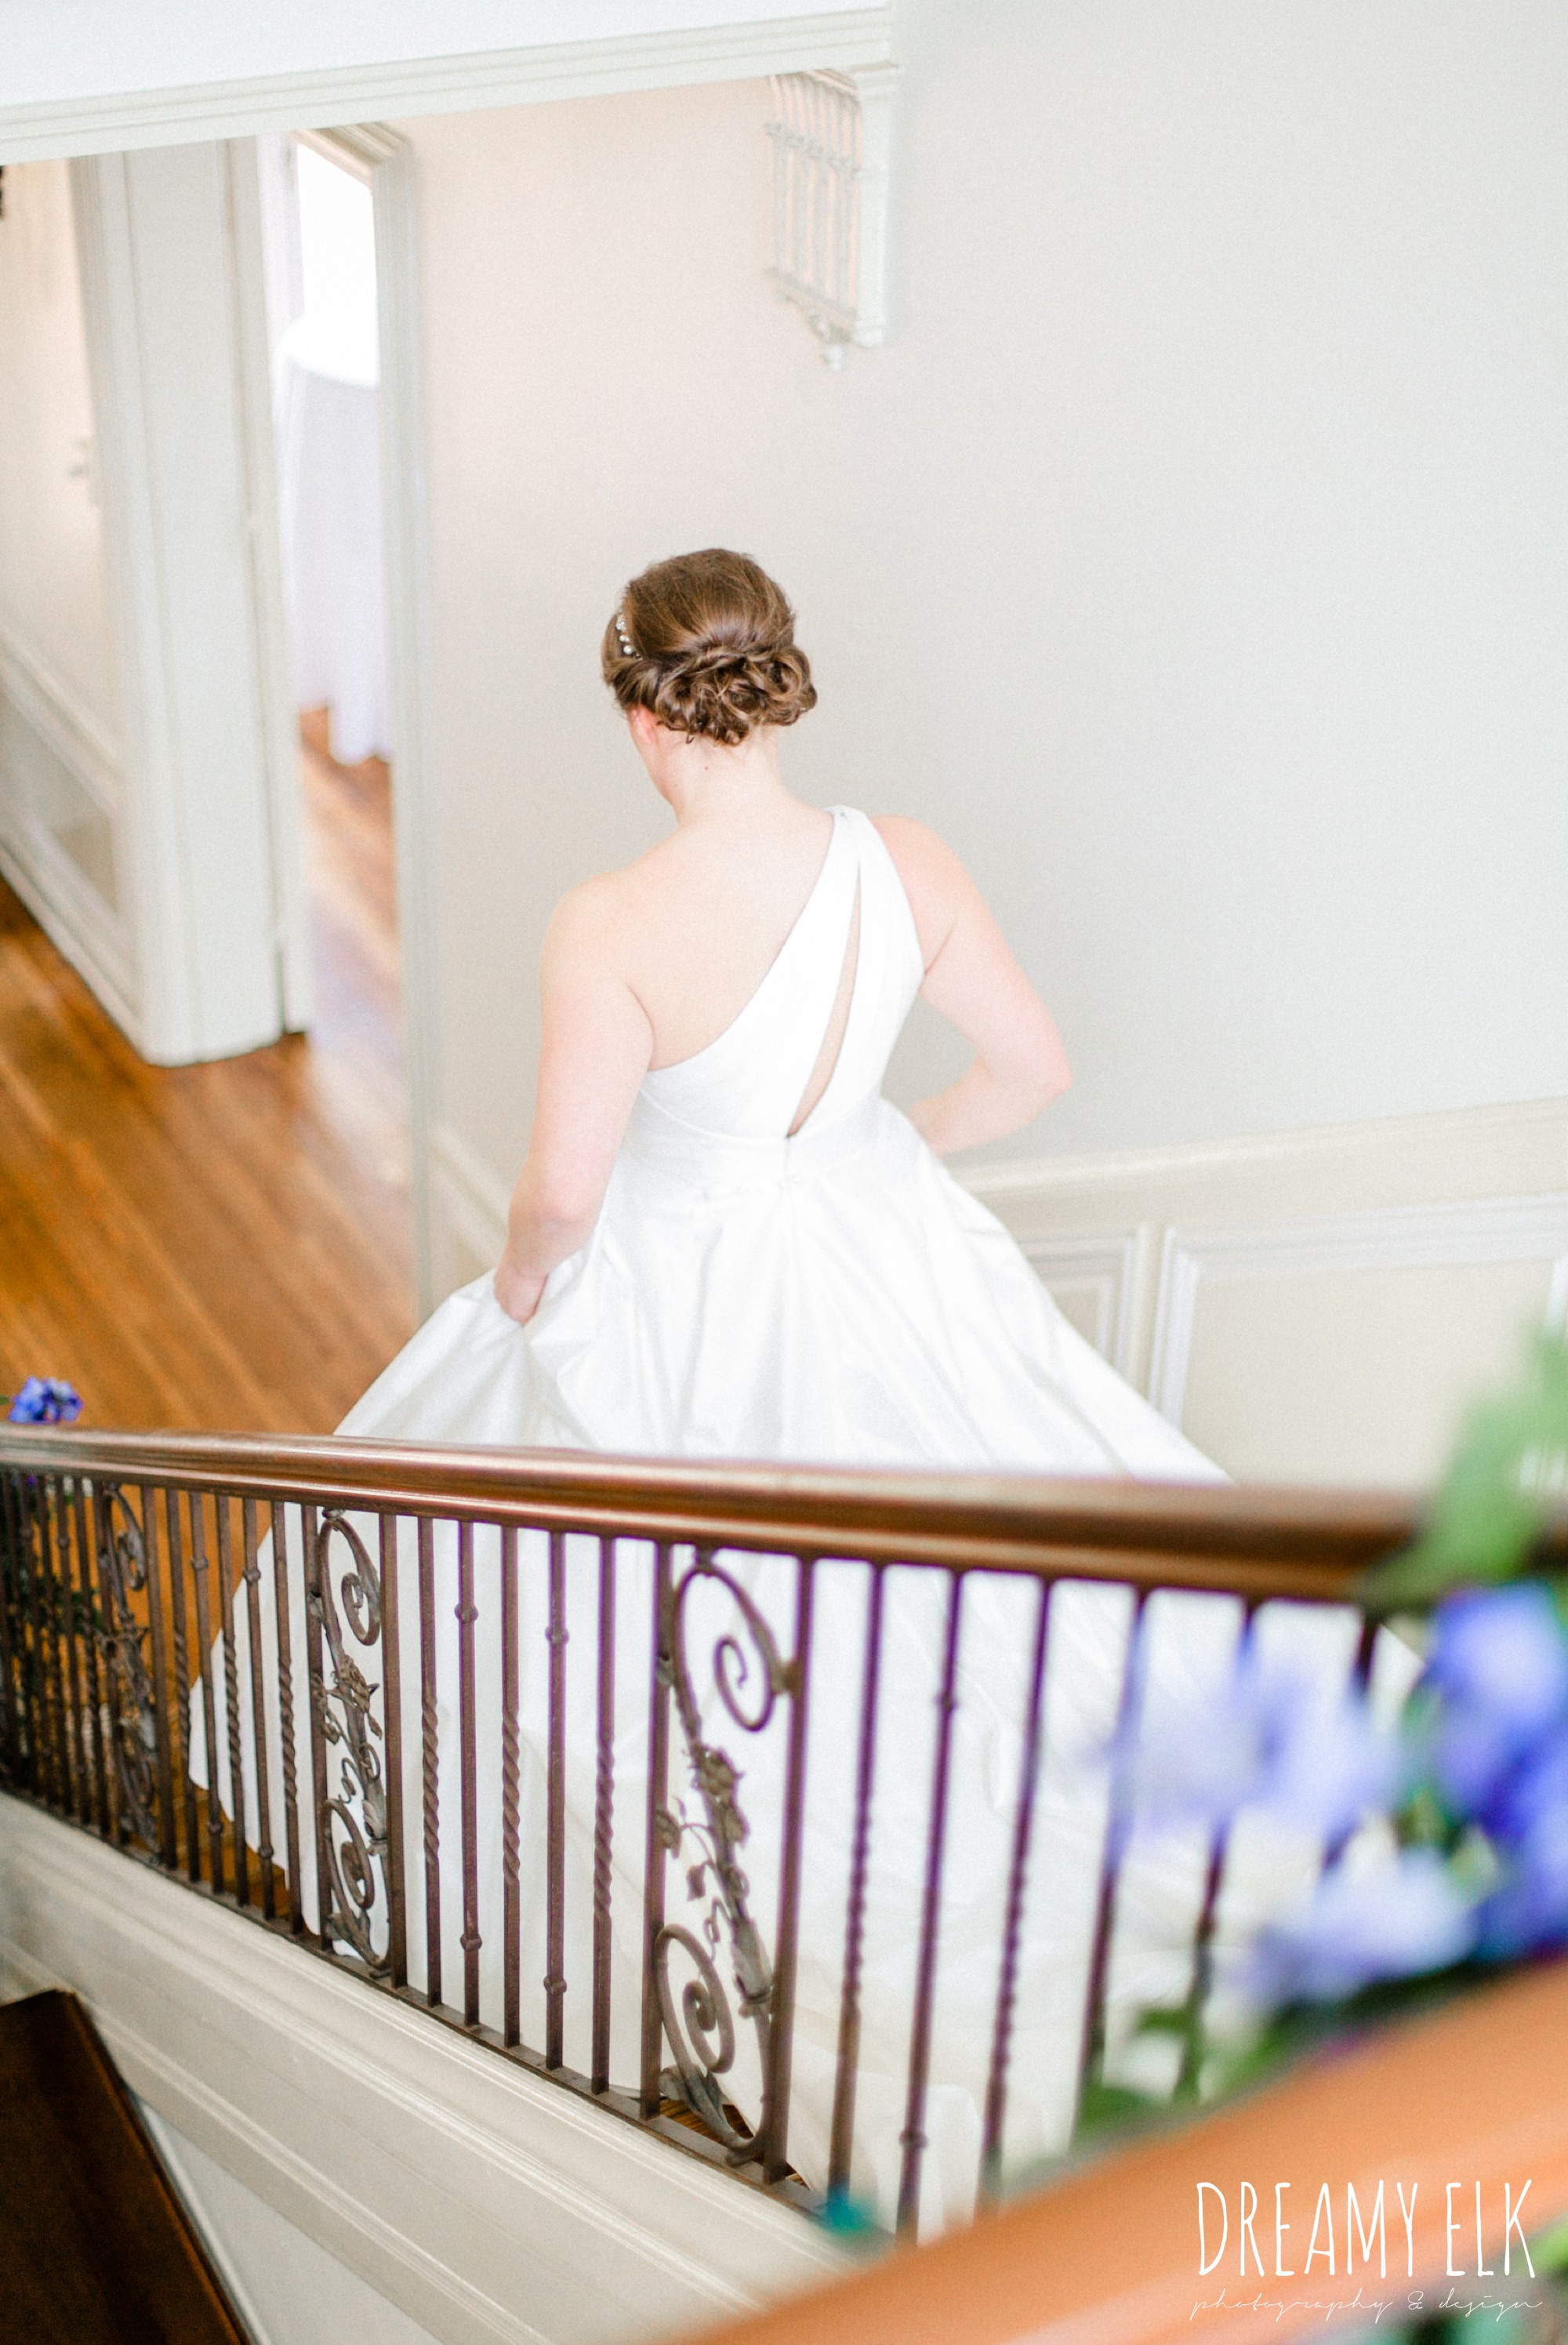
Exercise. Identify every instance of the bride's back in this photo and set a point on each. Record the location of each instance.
(697, 923)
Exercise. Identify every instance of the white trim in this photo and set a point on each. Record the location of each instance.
(73, 732)
(1104, 1264)
(166, 2142)
(384, 159)
(492, 2206)
(75, 921)
(270, 624)
(1470, 1230)
(1440, 1131)
(325, 97)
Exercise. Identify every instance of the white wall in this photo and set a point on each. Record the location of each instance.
(51, 530)
(61, 834)
(1194, 557)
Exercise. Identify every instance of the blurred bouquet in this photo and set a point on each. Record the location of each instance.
(1444, 1830)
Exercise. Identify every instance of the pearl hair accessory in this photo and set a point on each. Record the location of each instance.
(628, 648)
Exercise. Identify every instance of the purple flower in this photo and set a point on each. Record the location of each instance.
(1280, 1736)
(1499, 1669)
(1396, 1920)
(44, 1400)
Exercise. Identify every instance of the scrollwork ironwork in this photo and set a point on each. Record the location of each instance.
(700, 2024)
(130, 1696)
(357, 1895)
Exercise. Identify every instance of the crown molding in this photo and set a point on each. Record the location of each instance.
(402, 89)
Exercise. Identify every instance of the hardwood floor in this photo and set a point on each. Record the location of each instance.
(225, 1247)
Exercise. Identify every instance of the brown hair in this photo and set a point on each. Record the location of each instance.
(706, 641)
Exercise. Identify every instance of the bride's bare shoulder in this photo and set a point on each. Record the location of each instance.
(601, 917)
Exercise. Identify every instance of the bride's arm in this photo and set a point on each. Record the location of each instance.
(595, 1044)
(973, 980)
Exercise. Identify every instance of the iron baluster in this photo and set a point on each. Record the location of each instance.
(913, 2134)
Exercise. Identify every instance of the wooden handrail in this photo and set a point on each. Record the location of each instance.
(1256, 1541)
(1475, 2096)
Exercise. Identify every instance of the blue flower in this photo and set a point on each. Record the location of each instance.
(44, 1400)
(1395, 1920)
(1499, 1669)
(1281, 1738)
(1528, 1829)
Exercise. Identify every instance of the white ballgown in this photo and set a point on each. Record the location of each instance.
(829, 1296)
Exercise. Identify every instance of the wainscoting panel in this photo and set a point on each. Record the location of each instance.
(1304, 1345)
(59, 849)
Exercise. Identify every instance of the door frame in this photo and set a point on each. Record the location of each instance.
(383, 159)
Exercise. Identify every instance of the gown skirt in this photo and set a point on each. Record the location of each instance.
(827, 1297)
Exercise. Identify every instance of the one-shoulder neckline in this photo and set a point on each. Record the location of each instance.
(680, 1066)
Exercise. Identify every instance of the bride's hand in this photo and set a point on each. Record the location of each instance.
(518, 1291)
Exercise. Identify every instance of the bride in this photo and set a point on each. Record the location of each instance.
(726, 1243)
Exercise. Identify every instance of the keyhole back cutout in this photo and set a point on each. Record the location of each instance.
(822, 1074)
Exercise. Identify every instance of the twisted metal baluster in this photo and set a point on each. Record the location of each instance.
(33, 1536)
(604, 1816)
(166, 1846)
(1202, 1980)
(913, 2134)
(775, 2128)
(200, 1566)
(10, 1585)
(181, 1680)
(555, 1817)
(287, 1743)
(250, 1575)
(842, 2137)
(1092, 2054)
(1007, 1986)
(221, 1504)
(316, 1679)
(392, 1671)
(430, 1722)
(48, 1647)
(650, 2095)
(510, 1799)
(67, 1667)
(467, 1757)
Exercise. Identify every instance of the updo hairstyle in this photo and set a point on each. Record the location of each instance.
(706, 642)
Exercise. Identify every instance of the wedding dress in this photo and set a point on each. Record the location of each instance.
(829, 1294)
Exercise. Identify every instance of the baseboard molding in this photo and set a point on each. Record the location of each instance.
(492, 2207)
(399, 88)
(70, 917)
(60, 720)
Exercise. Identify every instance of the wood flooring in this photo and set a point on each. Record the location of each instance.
(219, 1248)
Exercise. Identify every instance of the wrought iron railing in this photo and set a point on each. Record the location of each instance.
(745, 1800)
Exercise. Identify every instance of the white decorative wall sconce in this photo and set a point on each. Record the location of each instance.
(832, 136)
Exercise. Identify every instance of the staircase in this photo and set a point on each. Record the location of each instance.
(95, 2246)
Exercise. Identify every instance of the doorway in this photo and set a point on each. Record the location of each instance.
(319, 255)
